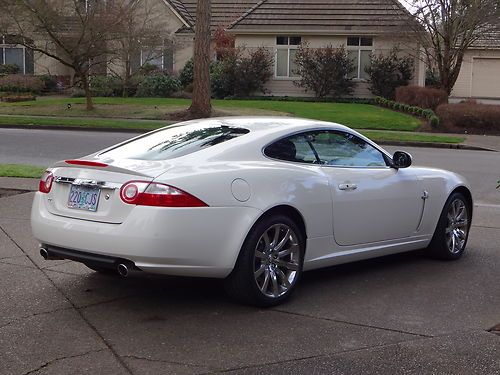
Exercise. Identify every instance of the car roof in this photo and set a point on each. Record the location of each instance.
(266, 124)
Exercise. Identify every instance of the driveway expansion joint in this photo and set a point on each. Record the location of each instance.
(46, 364)
(170, 362)
(19, 319)
(78, 311)
(354, 324)
(322, 355)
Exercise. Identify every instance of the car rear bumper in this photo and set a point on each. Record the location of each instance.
(203, 242)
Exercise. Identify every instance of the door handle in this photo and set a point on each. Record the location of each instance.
(348, 187)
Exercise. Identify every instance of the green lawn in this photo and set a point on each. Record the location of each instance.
(150, 113)
(17, 170)
(360, 116)
(77, 122)
(381, 136)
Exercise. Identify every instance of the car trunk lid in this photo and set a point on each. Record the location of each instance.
(89, 192)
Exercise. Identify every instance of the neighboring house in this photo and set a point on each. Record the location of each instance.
(363, 27)
(479, 76)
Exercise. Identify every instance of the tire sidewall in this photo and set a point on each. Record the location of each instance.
(438, 246)
(247, 257)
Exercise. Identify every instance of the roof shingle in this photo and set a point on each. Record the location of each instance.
(323, 15)
(300, 15)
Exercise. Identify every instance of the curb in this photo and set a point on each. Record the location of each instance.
(140, 131)
(453, 146)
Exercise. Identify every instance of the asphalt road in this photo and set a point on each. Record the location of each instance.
(44, 147)
(402, 314)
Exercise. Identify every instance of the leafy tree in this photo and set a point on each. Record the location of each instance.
(74, 34)
(387, 72)
(325, 71)
(446, 29)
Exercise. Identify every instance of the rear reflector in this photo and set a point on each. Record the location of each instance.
(87, 163)
(142, 193)
(45, 184)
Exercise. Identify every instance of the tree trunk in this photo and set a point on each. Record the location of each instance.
(86, 88)
(201, 106)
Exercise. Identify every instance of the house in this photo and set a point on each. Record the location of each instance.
(362, 26)
(479, 76)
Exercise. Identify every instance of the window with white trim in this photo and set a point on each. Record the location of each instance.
(359, 50)
(14, 53)
(162, 57)
(286, 50)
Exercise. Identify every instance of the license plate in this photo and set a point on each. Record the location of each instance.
(84, 197)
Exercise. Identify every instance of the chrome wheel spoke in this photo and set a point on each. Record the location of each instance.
(274, 281)
(277, 229)
(267, 242)
(282, 243)
(260, 254)
(260, 271)
(288, 265)
(283, 278)
(453, 242)
(288, 251)
(265, 283)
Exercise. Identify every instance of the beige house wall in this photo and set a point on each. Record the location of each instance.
(278, 86)
(183, 52)
(464, 86)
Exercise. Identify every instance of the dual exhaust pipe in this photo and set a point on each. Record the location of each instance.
(123, 268)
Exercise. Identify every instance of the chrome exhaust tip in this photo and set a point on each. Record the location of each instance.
(123, 270)
(48, 255)
(44, 253)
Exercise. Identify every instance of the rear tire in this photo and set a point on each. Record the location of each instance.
(452, 231)
(270, 263)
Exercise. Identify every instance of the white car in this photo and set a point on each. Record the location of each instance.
(255, 201)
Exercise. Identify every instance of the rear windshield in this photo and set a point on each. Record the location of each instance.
(175, 142)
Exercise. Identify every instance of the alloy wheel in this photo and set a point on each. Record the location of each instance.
(457, 227)
(277, 260)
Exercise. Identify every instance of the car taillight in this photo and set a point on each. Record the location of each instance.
(45, 183)
(154, 194)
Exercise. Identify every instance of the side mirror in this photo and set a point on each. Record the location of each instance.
(401, 159)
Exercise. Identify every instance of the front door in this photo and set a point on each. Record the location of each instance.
(372, 202)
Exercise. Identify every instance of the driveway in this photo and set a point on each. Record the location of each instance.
(397, 314)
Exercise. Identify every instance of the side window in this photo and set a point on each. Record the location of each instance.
(296, 148)
(339, 148)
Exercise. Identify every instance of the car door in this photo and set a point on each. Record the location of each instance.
(372, 202)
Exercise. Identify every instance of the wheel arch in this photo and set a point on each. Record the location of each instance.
(289, 211)
(283, 209)
(467, 194)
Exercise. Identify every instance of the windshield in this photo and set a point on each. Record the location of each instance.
(175, 141)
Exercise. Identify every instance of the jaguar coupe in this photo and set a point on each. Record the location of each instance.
(251, 200)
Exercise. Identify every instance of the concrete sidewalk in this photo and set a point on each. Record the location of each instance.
(484, 141)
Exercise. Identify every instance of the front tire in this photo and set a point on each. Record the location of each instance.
(270, 263)
(452, 232)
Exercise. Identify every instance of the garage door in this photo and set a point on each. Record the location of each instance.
(486, 78)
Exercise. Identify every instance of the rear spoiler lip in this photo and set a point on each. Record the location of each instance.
(109, 168)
